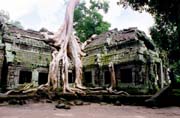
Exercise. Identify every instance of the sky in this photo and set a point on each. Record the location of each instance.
(35, 14)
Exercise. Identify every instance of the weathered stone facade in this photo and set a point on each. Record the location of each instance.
(24, 56)
(137, 63)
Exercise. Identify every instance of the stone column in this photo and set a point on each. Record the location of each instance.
(10, 78)
(162, 75)
(133, 75)
(101, 77)
(17, 76)
(35, 76)
(96, 75)
(93, 76)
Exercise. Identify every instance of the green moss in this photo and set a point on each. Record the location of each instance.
(89, 60)
(17, 60)
(94, 47)
(105, 59)
(31, 58)
(33, 66)
(117, 58)
(40, 56)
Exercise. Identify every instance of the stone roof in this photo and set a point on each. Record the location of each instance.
(15, 31)
(114, 36)
(13, 34)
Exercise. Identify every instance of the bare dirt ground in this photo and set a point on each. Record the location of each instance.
(48, 110)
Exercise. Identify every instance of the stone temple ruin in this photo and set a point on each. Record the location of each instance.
(25, 57)
(137, 63)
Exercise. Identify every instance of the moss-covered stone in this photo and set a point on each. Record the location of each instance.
(32, 58)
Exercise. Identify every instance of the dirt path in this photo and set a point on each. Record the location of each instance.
(45, 110)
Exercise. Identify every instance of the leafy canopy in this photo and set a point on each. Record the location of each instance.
(88, 20)
(165, 36)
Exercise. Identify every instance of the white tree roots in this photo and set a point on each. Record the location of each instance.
(66, 46)
(113, 78)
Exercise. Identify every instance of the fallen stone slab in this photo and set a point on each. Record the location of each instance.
(62, 106)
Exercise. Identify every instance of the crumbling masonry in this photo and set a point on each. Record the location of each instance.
(136, 61)
(25, 57)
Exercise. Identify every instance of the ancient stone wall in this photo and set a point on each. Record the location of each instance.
(25, 52)
(133, 55)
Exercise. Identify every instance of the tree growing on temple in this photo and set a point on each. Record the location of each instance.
(66, 46)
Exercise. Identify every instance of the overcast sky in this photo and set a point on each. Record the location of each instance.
(35, 14)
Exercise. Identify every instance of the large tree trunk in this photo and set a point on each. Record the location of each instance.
(66, 45)
(62, 41)
(75, 53)
(53, 71)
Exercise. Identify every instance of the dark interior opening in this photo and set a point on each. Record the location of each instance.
(107, 77)
(88, 77)
(70, 77)
(158, 69)
(126, 75)
(4, 73)
(43, 78)
(25, 77)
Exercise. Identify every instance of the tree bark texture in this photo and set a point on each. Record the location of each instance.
(66, 46)
(113, 77)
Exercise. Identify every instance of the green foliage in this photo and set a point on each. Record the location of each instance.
(89, 21)
(17, 24)
(167, 9)
(178, 79)
(176, 66)
(165, 35)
